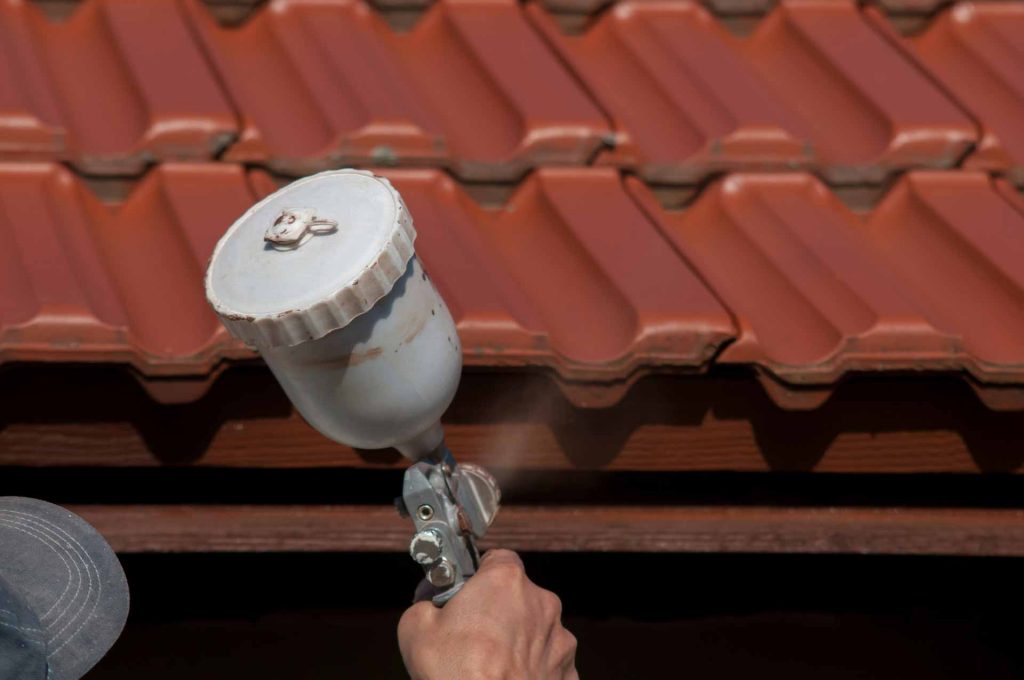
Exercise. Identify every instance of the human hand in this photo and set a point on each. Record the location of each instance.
(500, 626)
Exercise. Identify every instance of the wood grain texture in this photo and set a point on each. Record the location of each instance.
(155, 528)
(517, 421)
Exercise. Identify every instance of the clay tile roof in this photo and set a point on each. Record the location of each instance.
(600, 192)
(471, 87)
(976, 52)
(96, 91)
(931, 279)
(817, 85)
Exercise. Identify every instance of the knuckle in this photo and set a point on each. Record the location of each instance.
(551, 603)
(413, 619)
(498, 558)
(571, 642)
(506, 572)
(501, 554)
(567, 645)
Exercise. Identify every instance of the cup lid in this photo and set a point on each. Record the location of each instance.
(310, 257)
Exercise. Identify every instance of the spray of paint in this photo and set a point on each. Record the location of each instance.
(518, 420)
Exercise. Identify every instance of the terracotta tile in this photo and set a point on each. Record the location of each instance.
(683, 100)
(750, 7)
(569, 274)
(955, 241)
(470, 87)
(815, 85)
(754, 7)
(87, 282)
(578, 273)
(497, 323)
(116, 86)
(1014, 195)
(932, 280)
(920, 7)
(57, 299)
(868, 109)
(795, 267)
(977, 51)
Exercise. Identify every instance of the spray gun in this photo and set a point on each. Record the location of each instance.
(322, 279)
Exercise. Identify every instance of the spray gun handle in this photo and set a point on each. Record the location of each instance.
(451, 508)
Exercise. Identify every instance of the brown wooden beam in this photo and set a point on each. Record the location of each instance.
(671, 423)
(574, 528)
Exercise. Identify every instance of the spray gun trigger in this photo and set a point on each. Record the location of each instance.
(477, 496)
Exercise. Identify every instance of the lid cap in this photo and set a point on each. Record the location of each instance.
(309, 258)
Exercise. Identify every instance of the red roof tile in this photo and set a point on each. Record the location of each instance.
(977, 52)
(117, 85)
(724, 7)
(815, 85)
(582, 272)
(471, 87)
(570, 274)
(86, 282)
(309, 84)
(956, 244)
(932, 279)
